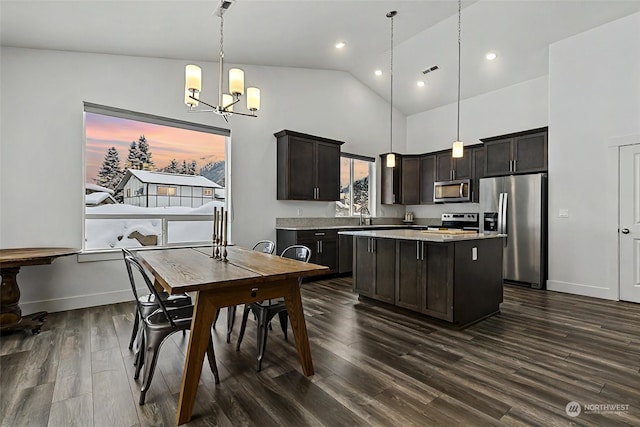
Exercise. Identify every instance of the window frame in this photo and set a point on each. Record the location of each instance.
(89, 255)
(372, 170)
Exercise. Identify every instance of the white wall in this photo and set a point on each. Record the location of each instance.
(42, 147)
(594, 91)
(512, 109)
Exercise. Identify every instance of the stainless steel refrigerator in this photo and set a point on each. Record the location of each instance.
(517, 206)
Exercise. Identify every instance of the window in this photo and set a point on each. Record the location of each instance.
(126, 152)
(166, 191)
(356, 172)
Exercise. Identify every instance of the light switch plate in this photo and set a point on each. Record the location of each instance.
(474, 254)
(563, 213)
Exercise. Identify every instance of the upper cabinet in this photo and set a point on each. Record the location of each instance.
(308, 167)
(522, 152)
(448, 168)
(410, 182)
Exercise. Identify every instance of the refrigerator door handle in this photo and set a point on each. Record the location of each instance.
(500, 214)
(505, 200)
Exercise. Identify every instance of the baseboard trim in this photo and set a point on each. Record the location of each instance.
(582, 289)
(76, 302)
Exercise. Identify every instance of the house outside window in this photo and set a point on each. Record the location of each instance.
(356, 174)
(157, 175)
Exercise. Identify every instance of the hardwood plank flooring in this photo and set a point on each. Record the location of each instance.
(374, 367)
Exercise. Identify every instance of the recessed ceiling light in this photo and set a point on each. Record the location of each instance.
(491, 56)
(420, 83)
(340, 45)
(378, 72)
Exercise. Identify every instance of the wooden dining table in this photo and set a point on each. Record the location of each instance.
(247, 277)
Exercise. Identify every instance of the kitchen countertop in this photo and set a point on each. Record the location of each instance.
(421, 235)
(350, 227)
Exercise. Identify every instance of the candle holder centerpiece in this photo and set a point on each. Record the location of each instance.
(219, 239)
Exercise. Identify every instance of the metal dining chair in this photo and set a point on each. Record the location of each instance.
(149, 304)
(157, 326)
(265, 246)
(264, 311)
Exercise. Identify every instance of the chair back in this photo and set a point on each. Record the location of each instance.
(297, 252)
(265, 246)
(133, 264)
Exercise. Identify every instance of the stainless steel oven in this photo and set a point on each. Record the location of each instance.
(452, 191)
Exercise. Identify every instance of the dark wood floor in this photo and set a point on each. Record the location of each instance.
(373, 367)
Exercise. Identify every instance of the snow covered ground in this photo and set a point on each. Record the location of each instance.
(103, 233)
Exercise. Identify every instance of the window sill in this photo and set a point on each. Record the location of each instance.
(116, 254)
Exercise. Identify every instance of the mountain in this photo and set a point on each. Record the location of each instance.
(214, 171)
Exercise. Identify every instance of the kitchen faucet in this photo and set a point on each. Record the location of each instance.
(365, 221)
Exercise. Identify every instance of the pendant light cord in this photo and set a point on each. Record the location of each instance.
(459, 19)
(391, 105)
(221, 60)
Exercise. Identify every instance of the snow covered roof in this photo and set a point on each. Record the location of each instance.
(168, 178)
(92, 188)
(94, 199)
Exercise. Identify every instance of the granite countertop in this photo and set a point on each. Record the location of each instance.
(348, 227)
(421, 235)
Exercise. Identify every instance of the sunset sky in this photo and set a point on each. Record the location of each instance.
(165, 143)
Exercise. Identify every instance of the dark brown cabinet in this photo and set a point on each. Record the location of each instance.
(477, 171)
(522, 152)
(409, 275)
(427, 178)
(410, 182)
(323, 244)
(308, 167)
(390, 180)
(458, 282)
(448, 168)
(374, 268)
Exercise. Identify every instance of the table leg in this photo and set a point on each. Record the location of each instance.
(203, 314)
(10, 313)
(296, 316)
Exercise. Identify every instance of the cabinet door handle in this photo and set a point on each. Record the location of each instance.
(422, 257)
(319, 234)
(417, 250)
(515, 164)
(368, 244)
(321, 246)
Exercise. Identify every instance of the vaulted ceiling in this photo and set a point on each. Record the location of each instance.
(303, 33)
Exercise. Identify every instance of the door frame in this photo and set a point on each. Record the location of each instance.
(612, 203)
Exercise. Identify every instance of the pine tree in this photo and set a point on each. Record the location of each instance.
(133, 159)
(173, 167)
(144, 155)
(192, 168)
(109, 175)
(184, 169)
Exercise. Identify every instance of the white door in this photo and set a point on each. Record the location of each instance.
(630, 223)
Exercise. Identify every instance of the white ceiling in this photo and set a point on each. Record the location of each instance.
(302, 33)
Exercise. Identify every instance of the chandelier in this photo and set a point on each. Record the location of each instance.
(226, 101)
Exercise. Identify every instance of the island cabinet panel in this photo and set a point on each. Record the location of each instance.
(374, 268)
(364, 265)
(384, 284)
(457, 281)
(437, 298)
(409, 277)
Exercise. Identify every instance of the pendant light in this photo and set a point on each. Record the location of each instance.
(457, 151)
(391, 157)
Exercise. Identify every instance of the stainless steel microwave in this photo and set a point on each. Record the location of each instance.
(458, 190)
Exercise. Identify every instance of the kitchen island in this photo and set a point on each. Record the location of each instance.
(455, 276)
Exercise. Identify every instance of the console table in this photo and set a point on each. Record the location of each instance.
(10, 262)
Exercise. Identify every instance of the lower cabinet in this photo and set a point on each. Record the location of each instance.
(323, 245)
(458, 282)
(374, 275)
